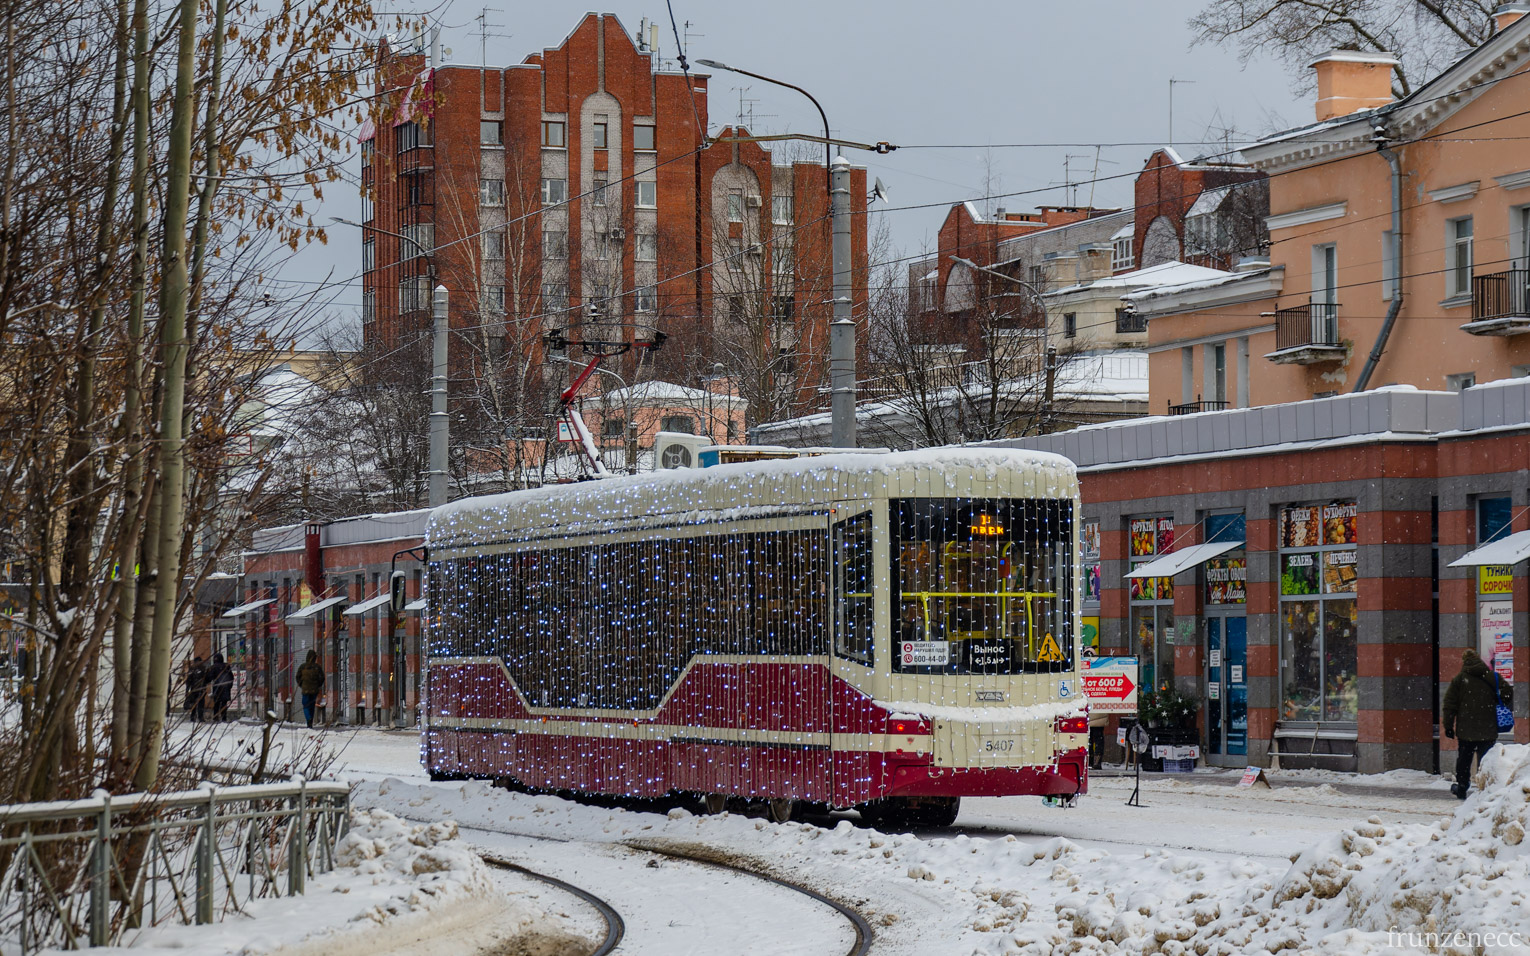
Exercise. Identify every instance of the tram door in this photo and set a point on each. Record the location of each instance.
(1227, 685)
(852, 580)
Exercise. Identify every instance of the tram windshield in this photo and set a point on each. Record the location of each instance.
(985, 586)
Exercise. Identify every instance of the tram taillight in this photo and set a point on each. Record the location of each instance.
(1072, 725)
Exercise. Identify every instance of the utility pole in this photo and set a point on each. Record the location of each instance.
(438, 420)
(842, 329)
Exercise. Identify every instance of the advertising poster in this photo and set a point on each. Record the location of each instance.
(1227, 581)
(1143, 537)
(1299, 527)
(1299, 573)
(1495, 636)
(1091, 543)
(1495, 579)
(1110, 683)
(1339, 523)
(1090, 636)
(1092, 583)
(1165, 535)
(1339, 574)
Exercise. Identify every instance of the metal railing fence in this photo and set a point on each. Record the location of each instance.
(92, 872)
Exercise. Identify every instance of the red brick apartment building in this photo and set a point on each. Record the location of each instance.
(577, 190)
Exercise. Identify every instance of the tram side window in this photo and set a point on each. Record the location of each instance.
(853, 595)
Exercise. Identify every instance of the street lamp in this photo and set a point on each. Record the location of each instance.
(842, 328)
(439, 425)
(1050, 370)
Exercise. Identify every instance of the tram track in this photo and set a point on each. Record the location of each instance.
(616, 929)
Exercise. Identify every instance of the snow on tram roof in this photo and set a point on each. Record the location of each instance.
(745, 485)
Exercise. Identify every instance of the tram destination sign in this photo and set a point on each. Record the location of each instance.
(1110, 683)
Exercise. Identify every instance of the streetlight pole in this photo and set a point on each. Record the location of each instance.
(438, 419)
(842, 325)
(439, 423)
(1049, 369)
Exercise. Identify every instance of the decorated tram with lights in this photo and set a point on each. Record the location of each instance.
(886, 632)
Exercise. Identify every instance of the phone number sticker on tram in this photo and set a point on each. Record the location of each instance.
(926, 653)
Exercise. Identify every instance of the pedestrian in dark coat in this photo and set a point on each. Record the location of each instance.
(196, 690)
(220, 677)
(1470, 714)
(310, 681)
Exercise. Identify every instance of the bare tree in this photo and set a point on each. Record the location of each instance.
(1425, 34)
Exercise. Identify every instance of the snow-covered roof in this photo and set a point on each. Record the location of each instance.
(664, 393)
(1164, 273)
(1218, 287)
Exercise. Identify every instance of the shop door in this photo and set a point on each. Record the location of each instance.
(1227, 686)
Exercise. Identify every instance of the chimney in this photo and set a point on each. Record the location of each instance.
(1508, 13)
(1350, 80)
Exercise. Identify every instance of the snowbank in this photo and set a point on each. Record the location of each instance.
(397, 888)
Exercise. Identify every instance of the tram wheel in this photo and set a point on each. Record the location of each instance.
(715, 803)
(779, 809)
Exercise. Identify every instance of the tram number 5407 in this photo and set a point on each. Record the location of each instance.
(997, 746)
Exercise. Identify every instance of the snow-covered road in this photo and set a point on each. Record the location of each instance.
(1203, 866)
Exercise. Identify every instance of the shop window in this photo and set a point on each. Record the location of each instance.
(1151, 602)
(1226, 576)
(1319, 581)
(1495, 590)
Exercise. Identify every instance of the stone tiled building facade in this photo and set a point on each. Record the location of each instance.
(1325, 617)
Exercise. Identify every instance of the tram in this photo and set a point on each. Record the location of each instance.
(885, 632)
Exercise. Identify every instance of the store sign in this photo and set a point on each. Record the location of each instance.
(1495, 636)
(925, 653)
(1299, 573)
(1110, 683)
(1495, 579)
(1177, 752)
(1227, 581)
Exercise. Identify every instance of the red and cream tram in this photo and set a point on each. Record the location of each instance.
(887, 632)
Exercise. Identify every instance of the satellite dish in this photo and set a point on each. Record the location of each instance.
(878, 192)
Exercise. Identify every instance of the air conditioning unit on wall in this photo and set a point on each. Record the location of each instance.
(677, 449)
(752, 201)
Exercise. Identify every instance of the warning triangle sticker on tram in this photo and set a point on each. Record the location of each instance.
(1049, 650)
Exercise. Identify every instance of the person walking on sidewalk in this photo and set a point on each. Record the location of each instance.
(196, 690)
(220, 677)
(1470, 714)
(310, 680)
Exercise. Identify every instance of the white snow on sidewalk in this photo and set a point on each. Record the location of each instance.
(1468, 872)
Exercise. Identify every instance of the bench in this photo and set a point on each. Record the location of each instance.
(1312, 736)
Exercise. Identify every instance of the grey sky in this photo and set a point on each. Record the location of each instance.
(919, 75)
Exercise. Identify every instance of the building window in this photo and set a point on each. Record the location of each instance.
(1458, 257)
(1151, 602)
(781, 209)
(368, 256)
(642, 138)
(647, 247)
(367, 206)
(491, 192)
(1325, 274)
(684, 424)
(368, 147)
(1070, 325)
(554, 297)
(1460, 381)
(735, 255)
(1038, 277)
(1129, 321)
(368, 306)
(613, 428)
(414, 188)
(598, 133)
(1319, 613)
(419, 239)
(783, 307)
(598, 193)
(735, 205)
(493, 245)
(602, 246)
(554, 191)
(647, 194)
(414, 293)
(552, 133)
(644, 300)
(406, 136)
(554, 244)
(494, 300)
(491, 133)
(1121, 257)
(1219, 372)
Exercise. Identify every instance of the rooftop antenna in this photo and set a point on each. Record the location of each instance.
(1095, 178)
(1173, 81)
(483, 33)
(1070, 188)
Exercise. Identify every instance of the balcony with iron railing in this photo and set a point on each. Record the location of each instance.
(1199, 405)
(1500, 303)
(1306, 334)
